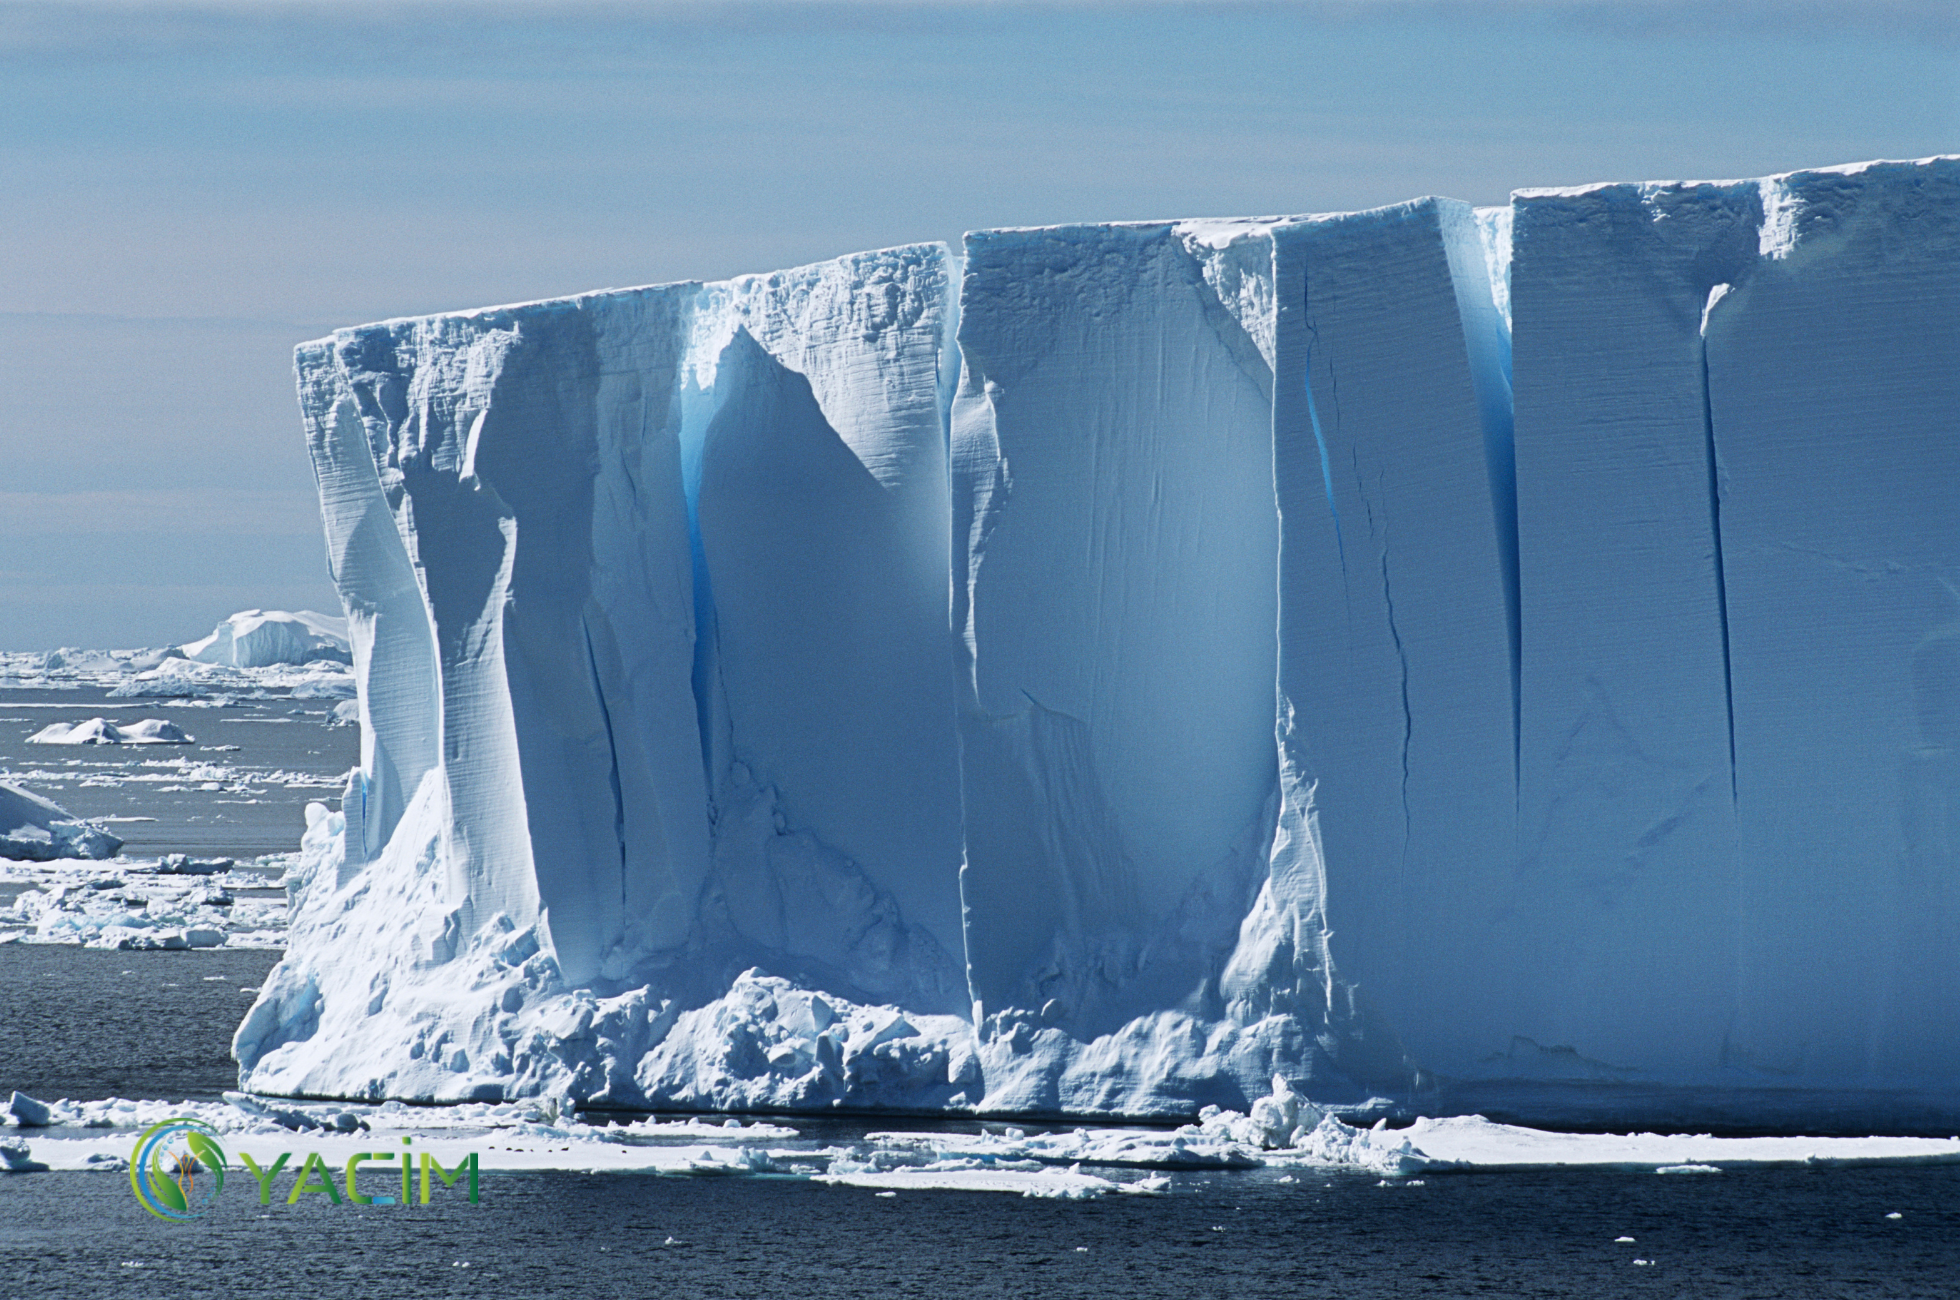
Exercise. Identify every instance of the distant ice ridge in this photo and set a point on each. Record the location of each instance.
(253, 653)
(1394, 651)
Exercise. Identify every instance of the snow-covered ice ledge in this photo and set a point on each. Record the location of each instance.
(1105, 670)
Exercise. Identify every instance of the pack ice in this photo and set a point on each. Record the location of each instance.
(1413, 653)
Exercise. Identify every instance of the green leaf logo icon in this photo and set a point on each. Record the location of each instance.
(210, 1155)
(178, 1169)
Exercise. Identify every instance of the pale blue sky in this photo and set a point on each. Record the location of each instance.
(190, 190)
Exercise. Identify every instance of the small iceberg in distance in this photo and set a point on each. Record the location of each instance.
(101, 731)
(260, 638)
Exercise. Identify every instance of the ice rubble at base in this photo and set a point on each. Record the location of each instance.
(1595, 550)
(35, 829)
(1283, 1132)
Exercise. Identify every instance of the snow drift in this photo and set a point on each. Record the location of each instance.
(1401, 652)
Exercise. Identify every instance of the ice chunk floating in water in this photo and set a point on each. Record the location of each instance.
(101, 731)
(1105, 670)
(35, 829)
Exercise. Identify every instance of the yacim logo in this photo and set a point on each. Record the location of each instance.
(178, 1170)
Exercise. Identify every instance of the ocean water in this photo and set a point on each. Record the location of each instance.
(1764, 1233)
(81, 1023)
(87, 1024)
(240, 791)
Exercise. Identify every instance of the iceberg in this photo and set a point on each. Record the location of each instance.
(261, 638)
(34, 829)
(101, 731)
(1127, 669)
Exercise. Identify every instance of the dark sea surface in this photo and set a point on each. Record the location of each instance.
(84, 1024)
(1766, 1233)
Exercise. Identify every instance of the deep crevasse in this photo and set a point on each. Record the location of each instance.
(1101, 672)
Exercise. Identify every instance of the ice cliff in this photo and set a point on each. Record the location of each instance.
(1396, 651)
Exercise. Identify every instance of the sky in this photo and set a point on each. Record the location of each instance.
(187, 191)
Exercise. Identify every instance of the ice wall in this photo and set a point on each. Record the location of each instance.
(1398, 636)
(543, 683)
(648, 597)
(1834, 408)
(822, 512)
(1113, 495)
(1499, 657)
(1626, 782)
(1733, 406)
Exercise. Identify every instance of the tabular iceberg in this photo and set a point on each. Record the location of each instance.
(1395, 651)
(256, 638)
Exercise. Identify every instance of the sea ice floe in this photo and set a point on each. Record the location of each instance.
(1471, 1141)
(16, 1158)
(184, 678)
(961, 1176)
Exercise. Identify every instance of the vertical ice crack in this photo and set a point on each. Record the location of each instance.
(612, 752)
(705, 637)
(1402, 661)
(1715, 528)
